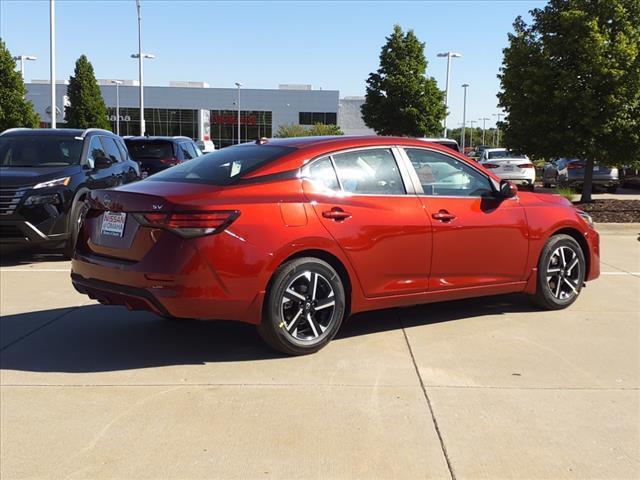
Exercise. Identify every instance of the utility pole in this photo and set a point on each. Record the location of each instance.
(484, 127)
(52, 59)
(449, 56)
(464, 116)
(498, 128)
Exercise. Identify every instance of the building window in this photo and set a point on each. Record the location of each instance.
(311, 118)
(254, 124)
(158, 121)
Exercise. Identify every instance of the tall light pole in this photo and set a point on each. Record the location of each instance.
(449, 56)
(117, 83)
(52, 59)
(22, 59)
(484, 127)
(498, 128)
(471, 136)
(464, 115)
(141, 56)
(238, 84)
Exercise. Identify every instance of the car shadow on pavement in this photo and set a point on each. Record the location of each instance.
(97, 338)
(15, 258)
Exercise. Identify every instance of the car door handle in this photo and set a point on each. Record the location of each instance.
(336, 214)
(443, 216)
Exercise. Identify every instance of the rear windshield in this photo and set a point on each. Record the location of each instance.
(505, 154)
(222, 167)
(39, 151)
(150, 149)
(452, 145)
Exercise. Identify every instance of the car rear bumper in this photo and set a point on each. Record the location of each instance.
(198, 293)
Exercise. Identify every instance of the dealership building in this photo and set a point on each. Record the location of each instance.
(195, 110)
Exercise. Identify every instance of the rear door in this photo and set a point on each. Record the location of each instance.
(478, 239)
(368, 205)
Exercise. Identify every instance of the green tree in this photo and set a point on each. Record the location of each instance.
(401, 99)
(86, 106)
(317, 130)
(15, 110)
(571, 83)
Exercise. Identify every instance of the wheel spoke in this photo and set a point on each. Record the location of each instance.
(315, 286)
(326, 303)
(573, 264)
(312, 323)
(553, 270)
(293, 296)
(294, 321)
(568, 282)
(559, 284)
(564, 260)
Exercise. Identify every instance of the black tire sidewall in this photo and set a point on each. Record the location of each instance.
(544, 296)
(271, 327)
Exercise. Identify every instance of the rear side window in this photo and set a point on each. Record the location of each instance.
(150, 149)
(322, 172)
(369, 172)
(223, 167)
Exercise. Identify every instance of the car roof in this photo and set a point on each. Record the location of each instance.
(495, 149)
(159, 137)
(46, 132)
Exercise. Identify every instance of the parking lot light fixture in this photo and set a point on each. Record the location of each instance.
(22, 59)
(238, 84)
(449, 56)
(464, 116)
(498, 127)
(117, 83)
(484, 127)
(52, 59)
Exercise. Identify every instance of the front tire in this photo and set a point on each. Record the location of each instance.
(78, 212)
(561, 273)
(304, 308)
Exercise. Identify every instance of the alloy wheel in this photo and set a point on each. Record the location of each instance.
(563, 273)
(308, 306)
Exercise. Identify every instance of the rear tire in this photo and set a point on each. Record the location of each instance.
(304, 307)
(561, 273)
(612, 189)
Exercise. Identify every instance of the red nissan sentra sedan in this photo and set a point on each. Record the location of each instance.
(293, 235)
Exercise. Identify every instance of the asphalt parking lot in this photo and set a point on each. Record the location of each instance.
(482, 388)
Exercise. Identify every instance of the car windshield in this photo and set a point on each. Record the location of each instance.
(505, 154)
(39, 151)
(222, 167)
(150, 149)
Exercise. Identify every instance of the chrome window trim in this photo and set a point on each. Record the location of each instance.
(409, 187)
(416, 179)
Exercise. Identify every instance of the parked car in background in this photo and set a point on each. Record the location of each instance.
(630, 177)
(569, 172)
(509, 165)
(206, 146)
(445, 142)
(45, 176)
(295, 234)
(159, 153)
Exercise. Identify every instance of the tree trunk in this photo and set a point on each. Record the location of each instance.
(587, 186)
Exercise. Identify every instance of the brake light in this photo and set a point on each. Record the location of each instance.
(574, 166)
(169, 161)
(490, 165)
(190, 224)
(526, 165)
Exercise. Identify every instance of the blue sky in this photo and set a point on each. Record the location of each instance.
(329, 44)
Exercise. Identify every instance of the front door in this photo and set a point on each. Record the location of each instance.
(378, 222)
(478, 239)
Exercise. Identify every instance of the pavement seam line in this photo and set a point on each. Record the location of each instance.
(426, 396)
(633, 274)
(46, 324)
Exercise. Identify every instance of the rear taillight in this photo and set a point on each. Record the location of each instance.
(169, 161)
(526, 165)
(490, 165)
(190, 224)
(574, 166)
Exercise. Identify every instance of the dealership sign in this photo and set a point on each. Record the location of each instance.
(233, 119)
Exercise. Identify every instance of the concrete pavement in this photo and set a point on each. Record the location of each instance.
(482, 388)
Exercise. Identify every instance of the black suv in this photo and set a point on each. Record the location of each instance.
(45, 175)
(155, 154)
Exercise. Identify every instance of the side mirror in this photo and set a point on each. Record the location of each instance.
(507, 189)
(102, 162)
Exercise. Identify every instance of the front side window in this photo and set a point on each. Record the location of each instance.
(186, 153)
(96, 150)
(369, 172)
(441, 174)
(111, 149)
